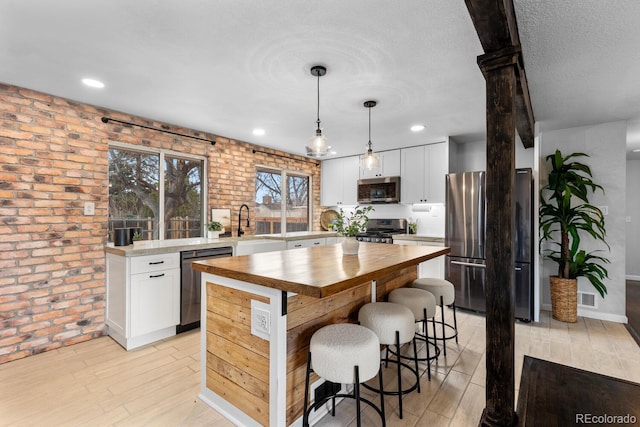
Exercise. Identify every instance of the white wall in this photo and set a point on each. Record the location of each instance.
(472, 156)
(632, 228)
(605, 144)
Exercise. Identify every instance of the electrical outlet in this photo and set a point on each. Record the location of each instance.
(260, 319)
(628, 219)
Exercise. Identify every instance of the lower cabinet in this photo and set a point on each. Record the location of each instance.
(153, 301)
(307, 243)
(143, 298)
(433, 267)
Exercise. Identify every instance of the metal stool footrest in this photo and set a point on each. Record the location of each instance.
(397, 392)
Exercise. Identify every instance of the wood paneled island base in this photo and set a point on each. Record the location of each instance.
(258, 378)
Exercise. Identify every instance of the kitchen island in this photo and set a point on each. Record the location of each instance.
(262, 309)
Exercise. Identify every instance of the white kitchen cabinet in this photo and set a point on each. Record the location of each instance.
(431, 268)
(143, 298)
(155, 301)
(256, 246)
(306, 243)
(423, 173)
(339, 185)
(389, 165)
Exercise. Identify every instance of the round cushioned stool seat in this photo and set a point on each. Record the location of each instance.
(416, 299)
(336, 349)
(445, 294)
(385, 318)
(438, 287)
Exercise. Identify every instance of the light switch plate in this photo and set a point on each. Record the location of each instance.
(89, 208)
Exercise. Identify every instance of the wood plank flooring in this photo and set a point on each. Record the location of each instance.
(98, 383)
(633, 308)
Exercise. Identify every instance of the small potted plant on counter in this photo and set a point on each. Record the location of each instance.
(136, 237)
(348, 225)
(214, 228)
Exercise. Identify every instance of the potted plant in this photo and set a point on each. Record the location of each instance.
(566, 214)
(214, 228)
(136, 237)
(348, 225)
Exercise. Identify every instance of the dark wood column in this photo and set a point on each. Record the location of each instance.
(508, 108)
(500, 75)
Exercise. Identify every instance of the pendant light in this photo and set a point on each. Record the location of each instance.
(317, 145)
(370, 160)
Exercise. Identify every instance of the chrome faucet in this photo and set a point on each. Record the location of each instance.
(240, 230)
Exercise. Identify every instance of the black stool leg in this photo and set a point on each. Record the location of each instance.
(455, 320)
(305, 414)
(426, 341)
(444, 340)
(384, 417)
(435, 336)
(399, 376)
(356, 392)
(415, 359)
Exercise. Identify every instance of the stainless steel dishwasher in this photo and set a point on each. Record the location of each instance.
(190, 285)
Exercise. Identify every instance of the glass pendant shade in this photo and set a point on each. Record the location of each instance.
(370, 160)
(317, 145)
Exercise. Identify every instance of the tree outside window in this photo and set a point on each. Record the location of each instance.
(137, 200)
(272, 215)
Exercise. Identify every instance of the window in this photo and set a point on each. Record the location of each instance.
(171, 207)
(276, 211)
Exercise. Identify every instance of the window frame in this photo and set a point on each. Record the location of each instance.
(162, 152)
(284, 173)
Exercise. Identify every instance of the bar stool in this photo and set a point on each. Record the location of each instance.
(423, 306)
(344, 353)
(445, 294)
(394, 325)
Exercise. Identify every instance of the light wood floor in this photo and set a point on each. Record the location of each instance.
(98, 383)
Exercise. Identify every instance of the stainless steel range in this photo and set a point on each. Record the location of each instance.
(382, 230)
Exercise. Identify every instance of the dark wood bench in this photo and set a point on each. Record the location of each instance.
(557, 395)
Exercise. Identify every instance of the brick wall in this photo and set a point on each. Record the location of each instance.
(53, 159)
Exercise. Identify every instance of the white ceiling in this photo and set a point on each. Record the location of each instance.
(227, 67)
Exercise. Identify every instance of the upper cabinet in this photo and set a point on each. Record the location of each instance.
(339, 184)
(389, 165)
(423, 173)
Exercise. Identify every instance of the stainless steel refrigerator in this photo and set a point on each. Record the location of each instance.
(465, 234)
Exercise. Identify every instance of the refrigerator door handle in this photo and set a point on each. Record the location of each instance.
(469, 264)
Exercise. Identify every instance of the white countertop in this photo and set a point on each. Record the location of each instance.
(418, 237)
(150, 247)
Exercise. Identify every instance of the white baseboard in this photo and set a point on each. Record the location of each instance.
(632, 277)
(595, 315)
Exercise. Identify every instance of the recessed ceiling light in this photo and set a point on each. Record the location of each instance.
(258, 132)
(417, 128)
(93, 83)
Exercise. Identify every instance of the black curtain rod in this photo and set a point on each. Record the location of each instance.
(283, 156)
(109, 119)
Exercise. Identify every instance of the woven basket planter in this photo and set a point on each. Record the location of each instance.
(564, 299)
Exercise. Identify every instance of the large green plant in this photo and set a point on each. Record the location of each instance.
(565, 212)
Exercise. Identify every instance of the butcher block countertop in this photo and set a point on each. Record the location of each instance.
(319, 271)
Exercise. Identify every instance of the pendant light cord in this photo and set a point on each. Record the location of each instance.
(318, 110)
(369, 128)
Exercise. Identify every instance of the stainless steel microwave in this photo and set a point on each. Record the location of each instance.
(379, 190)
